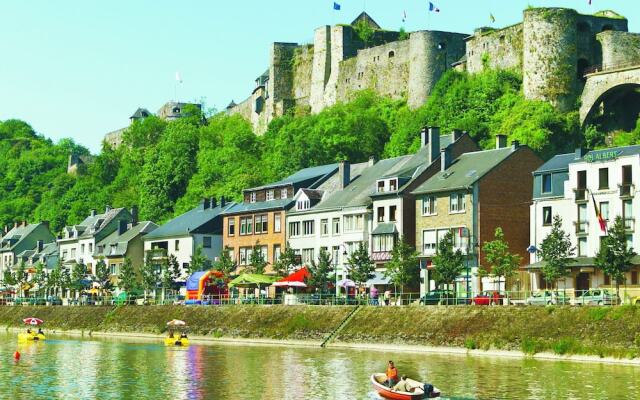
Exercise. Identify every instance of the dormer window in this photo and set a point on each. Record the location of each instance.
(252, 197)
(303, 204)
(270, 195)
(283, 193)
(380, 187)
(176, 110)
(393, 185)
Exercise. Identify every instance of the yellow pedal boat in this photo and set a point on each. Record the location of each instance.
(176, 341)
(31, 337)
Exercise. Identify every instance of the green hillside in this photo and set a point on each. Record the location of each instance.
(166, 167)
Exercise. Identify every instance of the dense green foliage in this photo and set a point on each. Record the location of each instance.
(166, 167)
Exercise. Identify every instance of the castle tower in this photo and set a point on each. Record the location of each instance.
(321, 69)
(550, 56)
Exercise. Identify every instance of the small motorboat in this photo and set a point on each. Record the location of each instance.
(378, 381)
(177, 341)
(33, 336)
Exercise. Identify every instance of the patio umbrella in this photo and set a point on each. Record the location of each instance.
(33, 321)
(296, 279)
(251, 280)
(176, 323)
(346, 283)
(290, 284)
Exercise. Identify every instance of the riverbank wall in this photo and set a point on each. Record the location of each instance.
(612, 332)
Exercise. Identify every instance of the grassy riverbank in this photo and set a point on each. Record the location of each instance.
(599, 331)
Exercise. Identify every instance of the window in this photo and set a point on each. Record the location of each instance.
(353, 223)
(582, 179)
(294, 229)
(176, 245)
(393, 185)
(634, 277)
(283, 193)
(73, 253)
(460, 238)
(246, 225)
(307, 228)
(547, 216)
(603, 178)
(582, 246)
(582, 218)
(392, 54)
(429, 205)
(380, 214)
(335, 255)
(429, 241)
(231, 229)
(456, 203)
(243, 255)
(113, 269)
(277, 251)
(392, 213)
(607, 279)
(303, 204)
(307, 256)
(380, 186)
(335, 226)
(383, 243)
(604, 210)
(629, 241)
(206, 242)
(270, 195)
(627, 214)
(277, 222)
(546, 183)
(324, 227)
(626, 174)
(82, 248)
(90, 247)
(261, 224)
(252, 197)
(64, 255)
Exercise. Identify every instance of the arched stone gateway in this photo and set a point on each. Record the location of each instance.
(614, 93)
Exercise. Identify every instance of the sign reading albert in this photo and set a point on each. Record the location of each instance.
(604, 155)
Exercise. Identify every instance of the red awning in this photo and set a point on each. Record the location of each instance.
(298, 276)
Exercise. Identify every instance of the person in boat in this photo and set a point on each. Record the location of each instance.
(29, 331)
(40, 331)
(403, 385)
(392, 374)
(183, 335)
(170, 334)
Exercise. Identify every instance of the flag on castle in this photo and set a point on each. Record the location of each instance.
(432, 7)
(492, 18)
(601, 220)
(178, 77)
(336, 6)
(404, 16)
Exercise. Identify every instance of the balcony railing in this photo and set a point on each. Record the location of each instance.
(157, 253)
(581, 194)
(626, 189)
(581, 227)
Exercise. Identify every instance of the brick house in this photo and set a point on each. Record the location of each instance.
(471, 196)
(260, 218)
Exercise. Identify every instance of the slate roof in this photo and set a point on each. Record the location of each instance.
(559, 162)
(465, 170)
(49, 249)
(140, 113)
(16, 235)
(313, 194)
(259, 206)
(122, 241)
(314, 174)
(95, 223)
(186, 223)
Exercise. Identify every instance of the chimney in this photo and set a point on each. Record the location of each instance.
(501, 141)
(433, 136)
(456, 134)
(445, 159)
(213, 203)
(93, 212)
(372, 161)
(424, 136)
(344, 174)
(107, 209)
(134, 215)
(45, 224)
(223, 201)
(515, 145)
(580, 152)
(39, 245)
(122, 226)
(204, 203)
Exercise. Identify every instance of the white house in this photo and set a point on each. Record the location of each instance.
(572, 186)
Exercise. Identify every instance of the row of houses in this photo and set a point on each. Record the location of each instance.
(448, 185)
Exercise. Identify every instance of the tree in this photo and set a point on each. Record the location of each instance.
(448, 264)
(39, 277)
(614, 257)
(127, 279)
(199, 261)
(502, 263)
(150, 278)
(286, 262)
(257, 262)
(54, 279)
(103, 275)
(556, 252)
(20, 276)
(403, 268)
(319, 271)
(170, 271)
(78, 275)
(225, 263)
(360, 266)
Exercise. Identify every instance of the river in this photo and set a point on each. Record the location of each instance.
(70, 368)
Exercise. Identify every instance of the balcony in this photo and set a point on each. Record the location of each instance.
(629, 224)
(626, 190)
(582, 227)
(581, 195)
(157, 253)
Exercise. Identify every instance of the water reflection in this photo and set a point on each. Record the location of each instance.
(66, 368)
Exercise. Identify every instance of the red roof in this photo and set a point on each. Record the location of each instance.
(298, 276)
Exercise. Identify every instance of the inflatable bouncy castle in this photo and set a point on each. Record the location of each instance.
(203, 284)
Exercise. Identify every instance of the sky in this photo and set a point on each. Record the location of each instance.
(80, 68)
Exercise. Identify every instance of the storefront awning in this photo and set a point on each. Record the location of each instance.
(578, 262)
(378, 279)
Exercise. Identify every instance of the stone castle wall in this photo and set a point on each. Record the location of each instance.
(498, 49)
(619, 48)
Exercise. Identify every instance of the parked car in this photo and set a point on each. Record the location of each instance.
(489, 298)
(54, 300)
(437, 297)
(547, 297)
(36, 301)
(596, 297)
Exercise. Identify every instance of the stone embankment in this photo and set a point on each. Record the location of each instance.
(586, 331)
